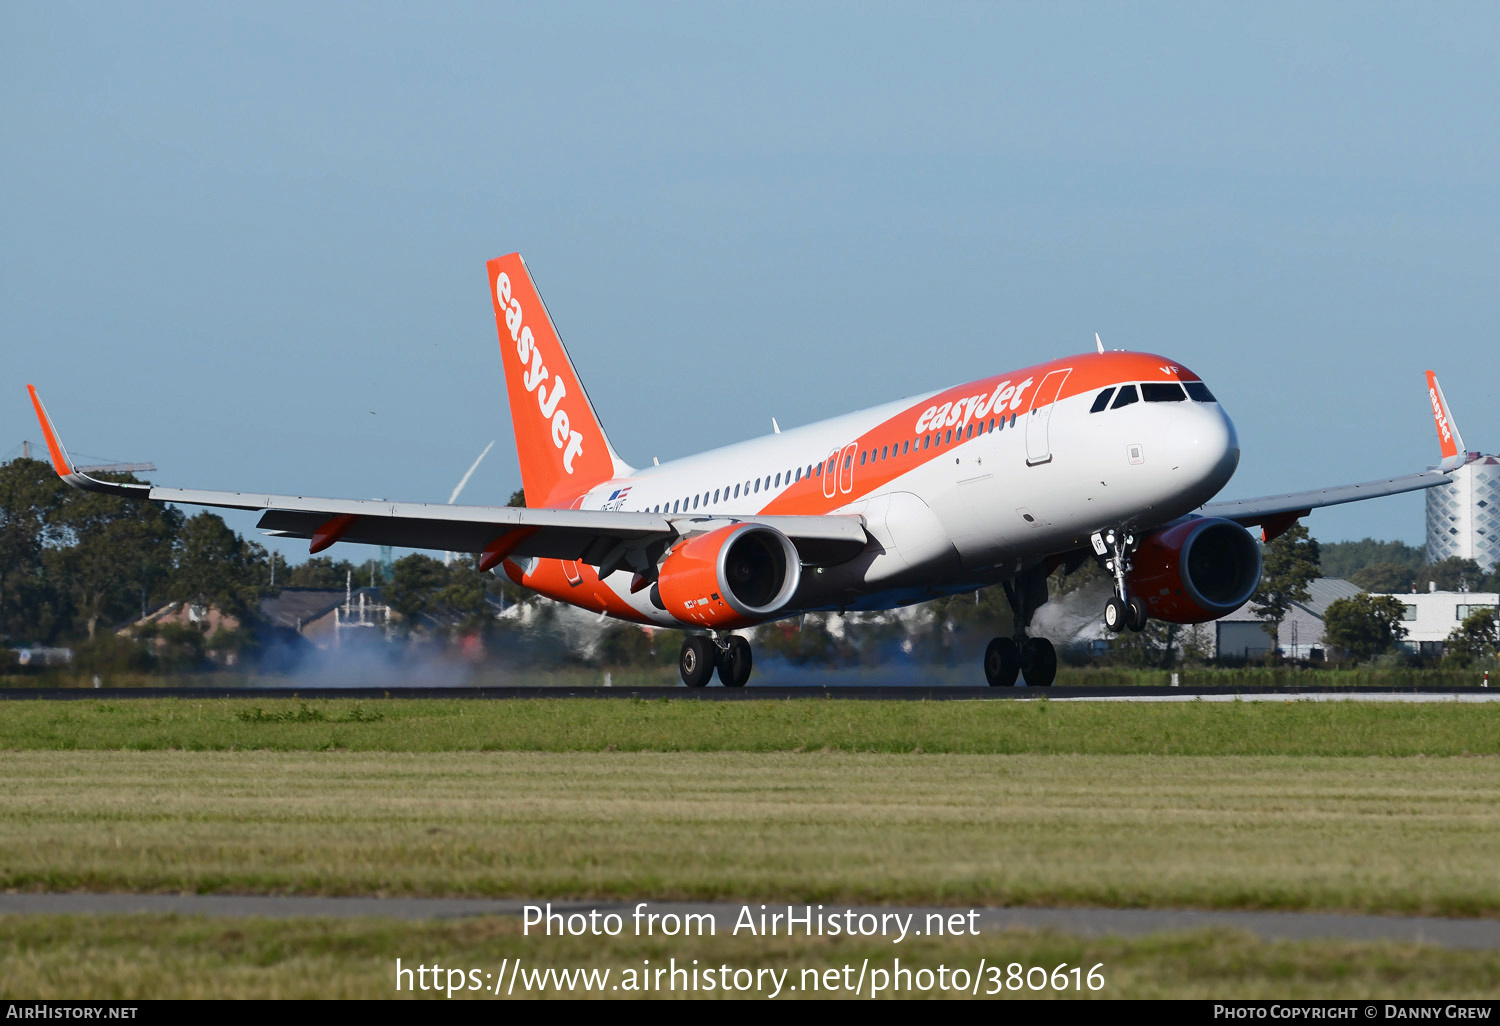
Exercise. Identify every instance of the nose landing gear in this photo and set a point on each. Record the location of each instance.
(1122, 610)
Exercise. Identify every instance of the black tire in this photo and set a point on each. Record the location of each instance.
(1135, 613)
(696, 661)
(735, 663)
(1002, 663)
(1041, 663)
(1115, 614)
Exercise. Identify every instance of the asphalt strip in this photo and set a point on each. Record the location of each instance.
(872, 919)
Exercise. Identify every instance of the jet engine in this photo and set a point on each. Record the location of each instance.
(1195, 571)
(733, 577)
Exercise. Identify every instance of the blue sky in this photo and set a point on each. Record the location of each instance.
(247, 242)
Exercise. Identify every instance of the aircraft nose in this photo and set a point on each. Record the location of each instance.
(1208, 449)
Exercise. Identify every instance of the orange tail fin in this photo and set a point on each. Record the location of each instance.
(559, 439)
(1449, 440)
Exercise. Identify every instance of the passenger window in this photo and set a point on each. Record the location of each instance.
(736, 491)
(1102, 400)
(950, 437)
(695, 502)
(926, 441)
(1126, 397)
(716, 495)
(674, 505)
(1198, 392)
(799, 475)
(778, 480)
(1163, 392)
(970, 433)
(906, 447)
(884, 449)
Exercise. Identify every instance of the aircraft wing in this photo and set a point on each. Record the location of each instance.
(1272, 509)
(592, 536)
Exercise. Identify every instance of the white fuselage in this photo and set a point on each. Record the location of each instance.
(973, 505)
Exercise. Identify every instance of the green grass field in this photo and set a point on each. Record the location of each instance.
(126, 957)
(664, 725)
(1299, 806)
(1282, 832)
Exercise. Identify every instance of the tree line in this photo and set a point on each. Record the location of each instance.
(75, 565)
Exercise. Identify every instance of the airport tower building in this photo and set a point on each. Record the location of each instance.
(1463, 518)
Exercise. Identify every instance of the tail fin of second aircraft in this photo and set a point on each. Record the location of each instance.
(560, 442)
(1451, 442)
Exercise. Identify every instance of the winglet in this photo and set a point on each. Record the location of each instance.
(60, 461)
(1452, 443)
(64, 465)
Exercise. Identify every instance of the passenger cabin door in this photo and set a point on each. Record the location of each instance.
(1039, 419)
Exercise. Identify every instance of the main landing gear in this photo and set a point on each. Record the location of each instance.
(1007, 659)
(702, 655)
(1122, 610)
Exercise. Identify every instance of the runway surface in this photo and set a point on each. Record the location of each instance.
(753, 693)
(1448, 933)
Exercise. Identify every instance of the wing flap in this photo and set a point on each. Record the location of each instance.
(555, 533)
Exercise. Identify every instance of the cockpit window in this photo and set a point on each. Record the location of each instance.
(1103, 400)
(1126, 397)
(1163, 392)
(1199, 392)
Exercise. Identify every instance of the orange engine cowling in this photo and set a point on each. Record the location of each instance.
(1195, 571)
(732, 577)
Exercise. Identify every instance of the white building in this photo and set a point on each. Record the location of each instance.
(1463, 518)
(1430, 616)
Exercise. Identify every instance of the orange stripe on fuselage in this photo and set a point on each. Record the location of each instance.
(1091, 372)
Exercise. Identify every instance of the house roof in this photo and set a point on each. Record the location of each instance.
(292, 607)
(1322, 592)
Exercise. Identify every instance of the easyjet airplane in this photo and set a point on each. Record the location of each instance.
(1111, 456)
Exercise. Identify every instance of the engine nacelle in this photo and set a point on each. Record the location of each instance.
(733, 577)
(1195, 571)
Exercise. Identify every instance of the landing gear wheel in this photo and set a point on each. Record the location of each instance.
(735, 663)
(1040, 662)
(1135, 614)
(1002, 663)
(696, 663)
(1115, 614)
